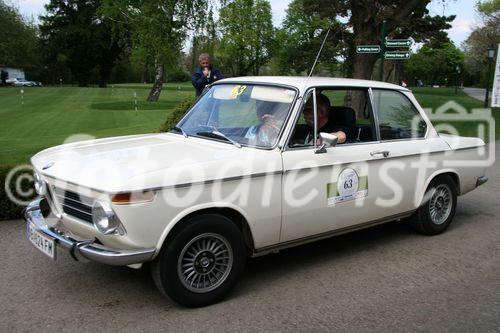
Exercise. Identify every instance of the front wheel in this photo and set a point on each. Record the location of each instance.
(202, 262)
(438, 209)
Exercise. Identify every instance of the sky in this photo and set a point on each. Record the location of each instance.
(467, 17)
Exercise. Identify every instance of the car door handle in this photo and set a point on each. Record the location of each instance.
(384, 153)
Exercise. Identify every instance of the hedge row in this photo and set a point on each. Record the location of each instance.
(176, 115)
(21, 179)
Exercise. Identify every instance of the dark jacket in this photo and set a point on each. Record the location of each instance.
(200, 81)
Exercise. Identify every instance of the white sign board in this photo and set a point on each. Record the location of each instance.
(495, 98)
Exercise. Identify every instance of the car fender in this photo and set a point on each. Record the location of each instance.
(421, 191)
(193, 209)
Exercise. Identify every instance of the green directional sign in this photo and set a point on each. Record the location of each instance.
(397, 55)
(368, 49)
(397, 43)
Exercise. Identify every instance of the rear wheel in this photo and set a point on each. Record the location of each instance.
(202, 262)
(438, 209)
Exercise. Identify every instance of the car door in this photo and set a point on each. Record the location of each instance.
(329, 190)
(409, 147)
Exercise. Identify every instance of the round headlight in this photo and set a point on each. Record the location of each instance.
(105, 220)
(39, 185)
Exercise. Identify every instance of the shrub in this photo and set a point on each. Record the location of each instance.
(178, 75)
(175, 116)
(9, 209)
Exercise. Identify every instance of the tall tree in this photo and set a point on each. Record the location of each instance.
(247, 36)
(72, 32)
(301, 36)
(436, 63)
(18, 38)
(155, 30)
(490, 9)
(365, 17)
(480, 40)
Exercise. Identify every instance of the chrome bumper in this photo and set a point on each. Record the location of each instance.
(87, 249)
(481, 180)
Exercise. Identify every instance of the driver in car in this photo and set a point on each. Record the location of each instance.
(325, 124)
(266, 132)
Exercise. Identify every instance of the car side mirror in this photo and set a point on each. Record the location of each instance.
(327, 140)
(330, 140)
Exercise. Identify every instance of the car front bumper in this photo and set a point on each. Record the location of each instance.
(481, 180)
(88, 249)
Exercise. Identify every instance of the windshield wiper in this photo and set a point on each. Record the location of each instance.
(215, 133)
(179, 129)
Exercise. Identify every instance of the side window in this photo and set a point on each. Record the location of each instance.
(346, 110)
(398, 117)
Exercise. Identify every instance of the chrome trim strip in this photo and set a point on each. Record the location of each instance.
(211, 181)
(88, 248)
(328, 234)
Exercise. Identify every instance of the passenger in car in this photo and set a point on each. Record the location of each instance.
(325, 124)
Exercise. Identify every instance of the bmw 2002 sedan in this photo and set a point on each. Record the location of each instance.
(258, 164)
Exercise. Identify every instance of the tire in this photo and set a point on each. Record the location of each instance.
(437, 211)
(202, 262)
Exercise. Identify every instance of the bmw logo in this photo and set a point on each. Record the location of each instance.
(48, 165)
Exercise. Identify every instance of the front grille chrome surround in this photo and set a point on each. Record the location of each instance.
(74, 204)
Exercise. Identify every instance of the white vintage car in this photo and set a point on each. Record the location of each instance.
(258, 164)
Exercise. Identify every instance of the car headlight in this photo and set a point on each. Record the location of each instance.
(39, 185)
(105, 219)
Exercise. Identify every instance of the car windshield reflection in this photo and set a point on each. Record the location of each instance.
(245, 114)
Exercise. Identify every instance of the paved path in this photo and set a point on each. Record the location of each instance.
(477, 93)
(384, 279)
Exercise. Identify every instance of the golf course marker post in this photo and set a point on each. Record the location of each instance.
(135, 101)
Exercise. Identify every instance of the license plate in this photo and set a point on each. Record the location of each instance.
(45, 244)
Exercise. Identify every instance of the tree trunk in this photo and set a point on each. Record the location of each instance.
(155, 92)
(363, 66)
(362, 69)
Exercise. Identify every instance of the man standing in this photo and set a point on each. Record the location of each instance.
(204, 74)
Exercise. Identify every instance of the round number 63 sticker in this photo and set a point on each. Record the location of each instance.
(347, 183)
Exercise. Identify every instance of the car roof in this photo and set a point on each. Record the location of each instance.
(303, 82)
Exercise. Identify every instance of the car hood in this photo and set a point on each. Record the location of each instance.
(133, 163)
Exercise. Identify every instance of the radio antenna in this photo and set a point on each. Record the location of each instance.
(319, 52)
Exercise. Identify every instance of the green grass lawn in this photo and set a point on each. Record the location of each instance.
(435, 97)
(51, 114)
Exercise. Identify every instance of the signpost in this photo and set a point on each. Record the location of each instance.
(381, 49)
(368, 49)
(397, 55)
(397, 42)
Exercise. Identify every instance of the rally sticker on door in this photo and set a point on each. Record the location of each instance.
(349, 186)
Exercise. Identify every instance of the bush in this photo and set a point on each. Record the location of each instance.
(176, 115)
(9, 209)
(178, 75)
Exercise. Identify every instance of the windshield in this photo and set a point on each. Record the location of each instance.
(244, 114)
